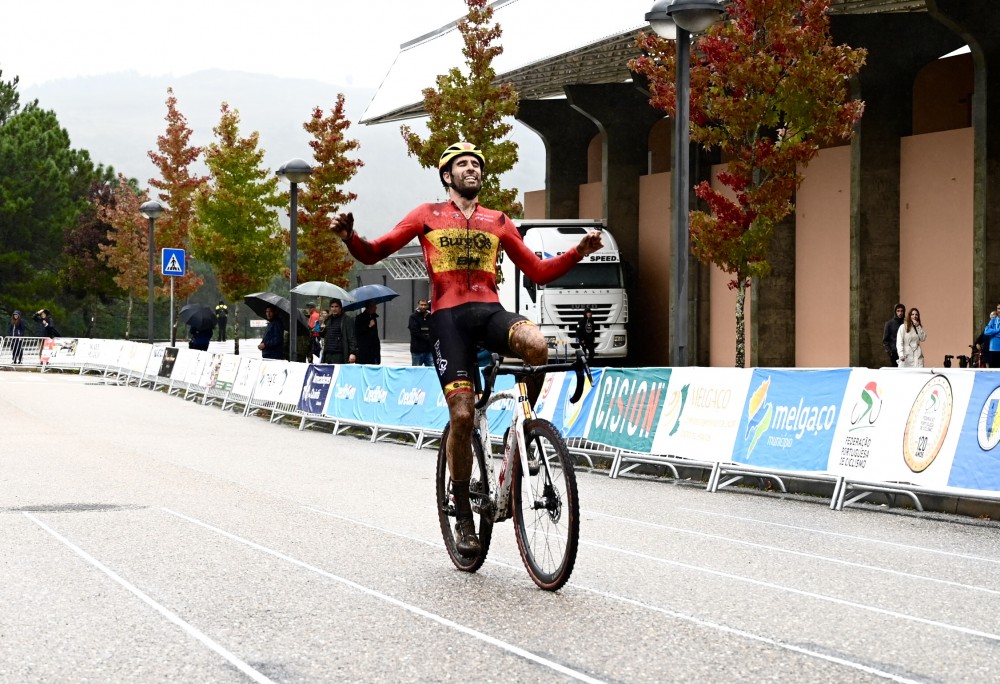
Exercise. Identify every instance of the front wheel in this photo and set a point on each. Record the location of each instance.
(479, 496)
(546, 507)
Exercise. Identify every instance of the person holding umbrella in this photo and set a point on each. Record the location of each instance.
(461, 241)
(339, 343)
(272, 345)
(366, 331)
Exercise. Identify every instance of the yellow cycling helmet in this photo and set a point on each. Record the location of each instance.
(457, 150)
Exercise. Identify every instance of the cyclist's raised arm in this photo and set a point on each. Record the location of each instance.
(539, 270)
(372, 251)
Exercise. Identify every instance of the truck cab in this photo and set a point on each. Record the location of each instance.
(598, 281)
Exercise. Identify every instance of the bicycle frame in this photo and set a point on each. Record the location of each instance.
(500, 483)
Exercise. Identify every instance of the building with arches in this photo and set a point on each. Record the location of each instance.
(908, 211)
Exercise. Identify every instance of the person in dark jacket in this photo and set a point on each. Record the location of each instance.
(200, 338)
(339, 342)
(16, 331)
(889, 333)
(420, 335)
(366, 329)
(586, 333)
(272, 345)
(44, 319)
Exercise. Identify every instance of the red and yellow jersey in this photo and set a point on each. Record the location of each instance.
(461, 253)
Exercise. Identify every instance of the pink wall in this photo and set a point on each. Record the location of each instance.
(823, 261)
(935, 252)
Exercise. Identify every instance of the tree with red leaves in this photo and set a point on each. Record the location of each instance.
(177, 187)
(127, 250)
(468, 106)
(324, 256)
(768, 89)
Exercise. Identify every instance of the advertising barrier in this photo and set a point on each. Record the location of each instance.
(915, 431)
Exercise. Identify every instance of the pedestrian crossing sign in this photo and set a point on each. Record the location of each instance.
(173, 262)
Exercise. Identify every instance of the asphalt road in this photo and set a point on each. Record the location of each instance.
(148, 539)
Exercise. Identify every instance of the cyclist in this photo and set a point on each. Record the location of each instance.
(461, 240)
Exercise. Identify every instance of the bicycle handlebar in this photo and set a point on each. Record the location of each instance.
(496, 367)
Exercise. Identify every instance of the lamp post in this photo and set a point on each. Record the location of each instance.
(294, 171)
(151, 210)
(676, 20)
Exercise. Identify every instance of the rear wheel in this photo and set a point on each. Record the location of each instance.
(479, 495)
(546, 508)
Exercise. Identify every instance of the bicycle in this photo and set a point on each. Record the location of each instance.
(535, 483)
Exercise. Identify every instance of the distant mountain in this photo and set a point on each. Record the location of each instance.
(117, 118)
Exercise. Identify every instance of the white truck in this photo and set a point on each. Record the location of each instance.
(598, 281)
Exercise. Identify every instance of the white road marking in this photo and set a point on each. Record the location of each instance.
(510, 648)
(801, 592)
(172, 617)
(854, 537)
(658, 609)
(792, 552)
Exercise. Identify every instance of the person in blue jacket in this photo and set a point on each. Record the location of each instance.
(272, 345)
(992, 335)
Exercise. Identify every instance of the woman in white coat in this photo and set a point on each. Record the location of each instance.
(908, 340)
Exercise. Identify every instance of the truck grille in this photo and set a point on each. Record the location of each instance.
(569, 314)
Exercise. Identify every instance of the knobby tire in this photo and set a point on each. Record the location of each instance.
(480, 498)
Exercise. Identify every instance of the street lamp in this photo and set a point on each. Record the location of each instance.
(676, 20)
(294, 171)
(151, 210)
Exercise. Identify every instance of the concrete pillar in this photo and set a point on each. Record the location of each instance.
(623, 114)
(977, 24)
(566, 134)
(886, 86)
(772, 303)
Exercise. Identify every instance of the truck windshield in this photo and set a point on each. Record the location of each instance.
(590, 276)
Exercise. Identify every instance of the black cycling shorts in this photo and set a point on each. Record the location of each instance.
(458, 332)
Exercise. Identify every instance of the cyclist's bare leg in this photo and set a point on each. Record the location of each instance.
(461, 407)
(461, 412)
(528, 343)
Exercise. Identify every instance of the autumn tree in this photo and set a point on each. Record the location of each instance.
(85, 275)
(768, 89)
(323, 255)
(466, 105)
(127, 249)
(236, 227)
(177, 187)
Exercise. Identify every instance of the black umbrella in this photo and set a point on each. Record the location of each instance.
(197, 316)
(369, 294)
(259, 301)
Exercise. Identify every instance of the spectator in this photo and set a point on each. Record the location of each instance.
(314, 331)
(908, 340)
(420, 335)
(47, 326)
(991, 338)
(339, 343)
(889, 332)
(272, 345)
(221, 319)
(586, 333)
(16, 331)
(200, 338)
(366, 329)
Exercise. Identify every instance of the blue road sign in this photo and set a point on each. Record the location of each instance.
(173, 262)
